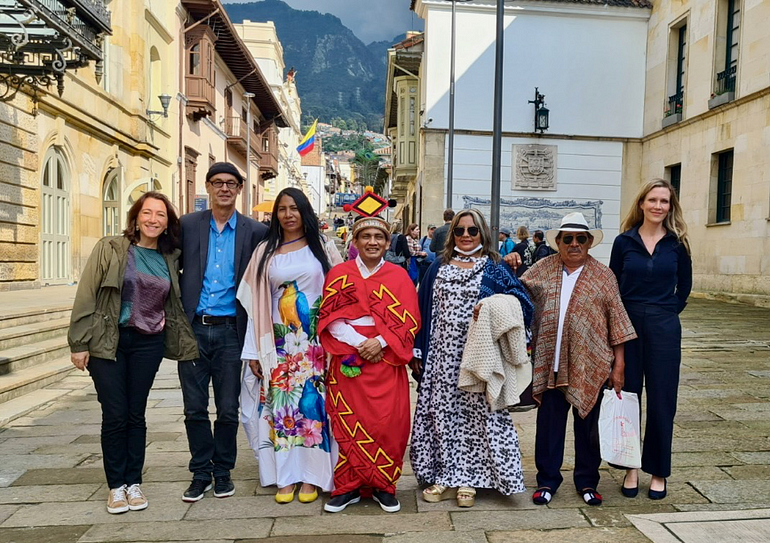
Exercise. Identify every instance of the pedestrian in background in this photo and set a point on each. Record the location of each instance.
(398, 250)
(126, 316)
(216, 247)
(525, 249)
(542, 249)
(578, 333)
(412, 234)
(430, 256)
(651, 260)
(506, 243)
(459, 443)
(442, 232)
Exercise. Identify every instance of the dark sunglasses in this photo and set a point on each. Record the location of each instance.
(581, 239)
(459, 231)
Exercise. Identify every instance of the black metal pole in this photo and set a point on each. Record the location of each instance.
(497, 126)
(451, 143)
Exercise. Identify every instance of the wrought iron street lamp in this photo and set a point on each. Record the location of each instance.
(541, 112)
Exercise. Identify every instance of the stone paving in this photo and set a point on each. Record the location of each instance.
(52, 485)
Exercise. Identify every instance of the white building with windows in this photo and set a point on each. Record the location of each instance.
(588, 60)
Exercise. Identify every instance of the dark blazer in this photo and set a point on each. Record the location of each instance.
(195, 247)
(439, 238)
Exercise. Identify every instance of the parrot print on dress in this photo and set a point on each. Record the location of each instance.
(293, 308)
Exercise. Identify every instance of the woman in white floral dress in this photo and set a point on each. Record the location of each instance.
(285, 418)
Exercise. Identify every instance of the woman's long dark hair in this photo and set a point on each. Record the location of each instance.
(309, 225)
(168, 241)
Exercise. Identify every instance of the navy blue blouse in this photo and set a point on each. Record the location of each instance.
(663, 278)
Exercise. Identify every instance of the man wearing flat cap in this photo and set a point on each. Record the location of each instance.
(216, 247)
(578, 332)
(368, 320)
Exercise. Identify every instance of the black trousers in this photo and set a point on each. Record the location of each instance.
(652, 363)
(122, 387)
(549, 442)
(219, 364)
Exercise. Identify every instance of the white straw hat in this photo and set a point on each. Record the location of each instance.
(574, 222)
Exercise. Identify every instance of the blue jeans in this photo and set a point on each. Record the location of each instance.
(220, 365)
(122, 387)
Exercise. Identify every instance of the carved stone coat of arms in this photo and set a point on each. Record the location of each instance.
(534, 167)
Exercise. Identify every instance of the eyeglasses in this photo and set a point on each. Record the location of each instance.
(218, 184)
(459, 231)
(567, 240)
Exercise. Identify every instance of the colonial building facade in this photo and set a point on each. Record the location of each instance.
(402, 122)
(227, 108)
(262, 42)
(164, 96)
(706, 129)
(75, 158)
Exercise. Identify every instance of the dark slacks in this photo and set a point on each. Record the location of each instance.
(652, 362)
(219, 364)
(549, 442)
(122, 387)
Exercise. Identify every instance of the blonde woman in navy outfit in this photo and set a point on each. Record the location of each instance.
(651, 260)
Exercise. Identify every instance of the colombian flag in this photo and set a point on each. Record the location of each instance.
(308, 142)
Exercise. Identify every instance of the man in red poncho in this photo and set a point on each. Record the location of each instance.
(367, 322)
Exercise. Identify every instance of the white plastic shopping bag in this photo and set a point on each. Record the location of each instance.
(619, 435)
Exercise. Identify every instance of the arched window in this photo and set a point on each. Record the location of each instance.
(138, 190)
(55, 223)
(111, 204)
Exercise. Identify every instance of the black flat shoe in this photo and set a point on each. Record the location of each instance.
(629, 492)
(658, 494)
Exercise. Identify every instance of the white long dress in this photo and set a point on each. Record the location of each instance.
(289, 430)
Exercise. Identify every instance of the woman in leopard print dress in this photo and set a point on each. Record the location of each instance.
(459, 443)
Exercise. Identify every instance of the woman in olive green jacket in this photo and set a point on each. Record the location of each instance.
(126, 317)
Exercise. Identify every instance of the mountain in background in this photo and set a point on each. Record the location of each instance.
(338, 76)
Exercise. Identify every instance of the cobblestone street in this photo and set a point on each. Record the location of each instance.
(52, 486)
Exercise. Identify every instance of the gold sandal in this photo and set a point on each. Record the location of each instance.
(437, 493)
(466, 496)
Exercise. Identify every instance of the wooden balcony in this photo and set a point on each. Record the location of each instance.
(200, 97)
(268, 166)
(235, 128)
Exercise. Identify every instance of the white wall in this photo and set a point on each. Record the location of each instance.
(589, 61)
(315, 182)
(587, 171)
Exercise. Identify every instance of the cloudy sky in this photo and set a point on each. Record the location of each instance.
(370, 20)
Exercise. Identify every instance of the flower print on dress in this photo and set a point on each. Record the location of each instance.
(296, 342)
(312, 431)
(317, 357)
(287, 420)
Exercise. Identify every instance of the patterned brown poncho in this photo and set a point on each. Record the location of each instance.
(595, 322)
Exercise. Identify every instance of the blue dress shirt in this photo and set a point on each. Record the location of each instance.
(218, 292)
(663, 278)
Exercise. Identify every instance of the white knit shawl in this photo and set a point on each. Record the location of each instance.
(495, 359)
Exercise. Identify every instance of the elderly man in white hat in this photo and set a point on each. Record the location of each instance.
(579, 328)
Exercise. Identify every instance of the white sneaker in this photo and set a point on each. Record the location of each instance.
(136, 499)
(117, 502)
